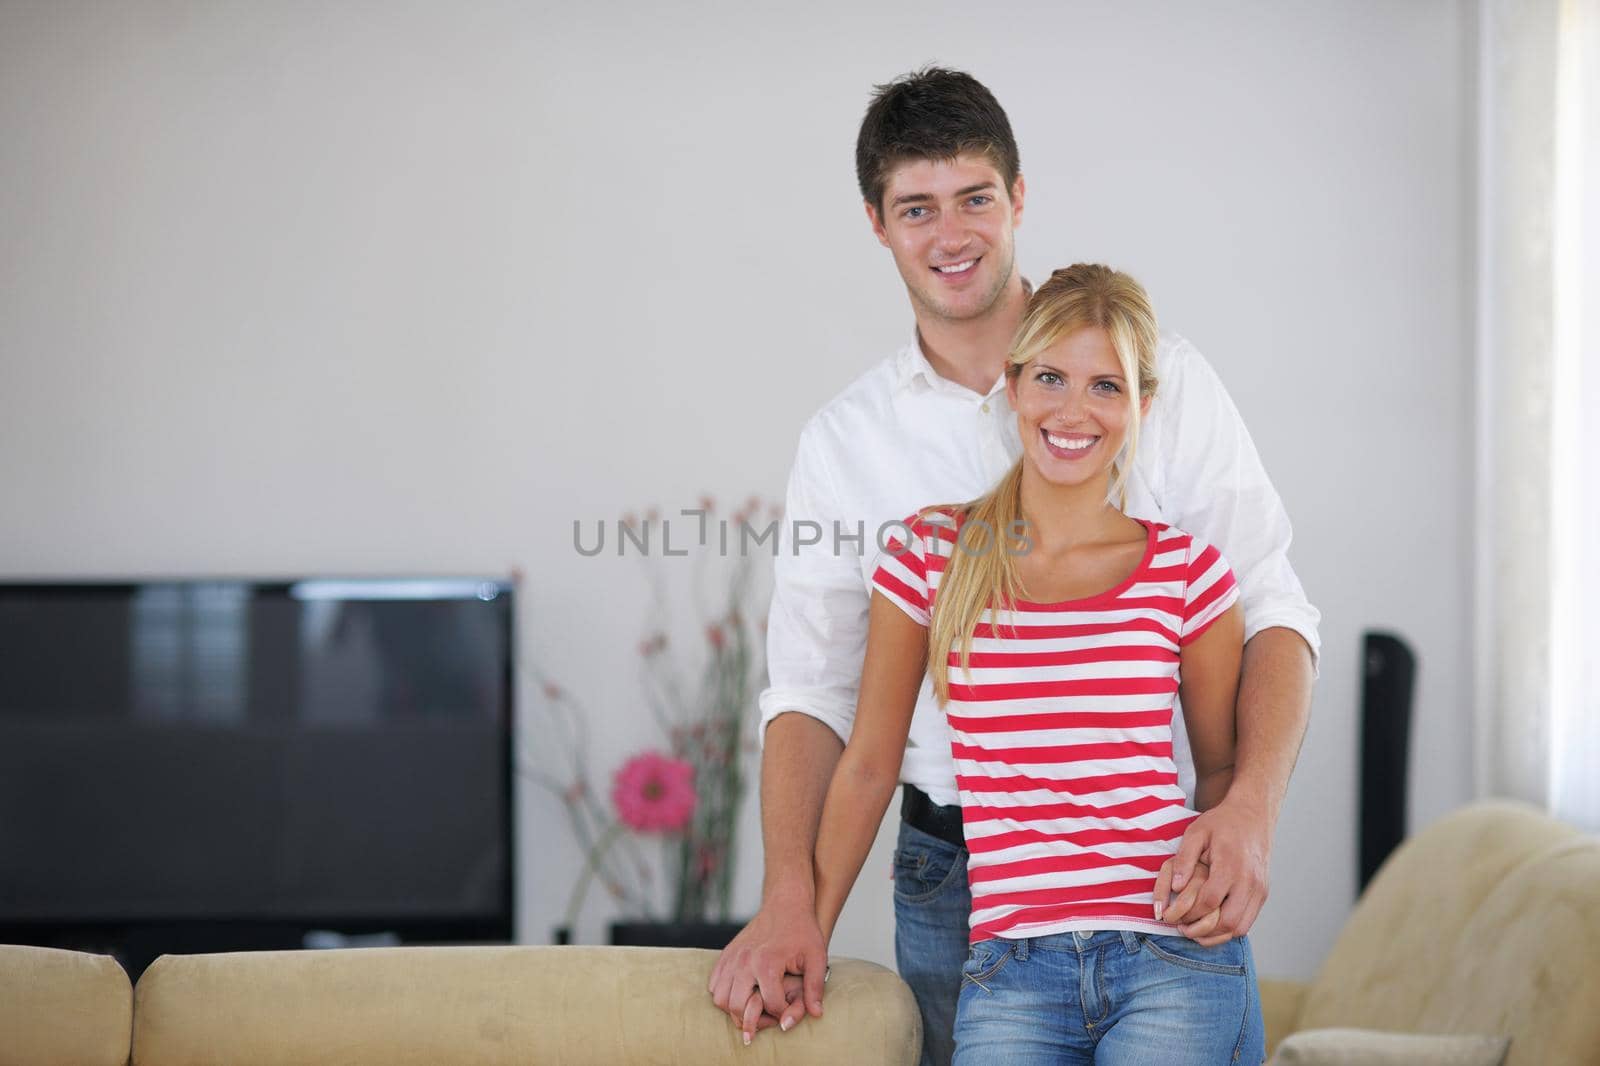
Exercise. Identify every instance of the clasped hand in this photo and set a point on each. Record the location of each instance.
(772, 972)
(1228, 847)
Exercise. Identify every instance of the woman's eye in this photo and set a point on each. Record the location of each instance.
(1047, 377)
(1108, 387)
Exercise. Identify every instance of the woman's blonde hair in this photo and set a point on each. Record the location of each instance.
(981, 573)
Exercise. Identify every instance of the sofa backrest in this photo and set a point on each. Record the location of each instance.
(434, 1006)
(63, 1008)
(1486, 922)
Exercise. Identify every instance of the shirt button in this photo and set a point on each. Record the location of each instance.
(985, 408)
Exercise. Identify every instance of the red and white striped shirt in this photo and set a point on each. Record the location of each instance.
(1062, 734)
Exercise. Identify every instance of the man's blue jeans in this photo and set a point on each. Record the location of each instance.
(932, 906)
(1108, 997)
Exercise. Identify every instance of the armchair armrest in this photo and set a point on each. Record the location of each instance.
(1280, 1008)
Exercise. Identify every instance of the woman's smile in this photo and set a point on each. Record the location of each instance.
(1070, 446)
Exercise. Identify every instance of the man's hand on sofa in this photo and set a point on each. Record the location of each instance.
(783, 938)
(1235, 839)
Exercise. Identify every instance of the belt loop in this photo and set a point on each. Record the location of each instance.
(1130, 941)
(1019, 948)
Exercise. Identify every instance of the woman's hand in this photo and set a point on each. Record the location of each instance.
(1202, 930)
(755, 1016)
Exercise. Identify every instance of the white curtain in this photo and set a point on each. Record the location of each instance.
(1538, 409)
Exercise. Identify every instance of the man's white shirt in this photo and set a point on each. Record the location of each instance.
(901, 437)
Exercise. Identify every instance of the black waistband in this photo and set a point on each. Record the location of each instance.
(922, 813)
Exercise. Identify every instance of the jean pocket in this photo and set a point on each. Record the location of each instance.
(921, 873)
(1227, 958)
(984, 960)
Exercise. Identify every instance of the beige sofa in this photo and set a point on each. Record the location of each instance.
(424, 1006)
(1487, 922)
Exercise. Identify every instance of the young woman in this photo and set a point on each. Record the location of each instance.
(1057, 632)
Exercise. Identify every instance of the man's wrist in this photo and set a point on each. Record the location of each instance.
(785, 890)
(1255, 795)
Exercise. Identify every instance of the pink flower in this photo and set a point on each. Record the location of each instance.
(552, 691)
(716, 636)
(654, 793)
(707, 504)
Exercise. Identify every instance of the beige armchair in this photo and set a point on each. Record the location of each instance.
(1487, 922)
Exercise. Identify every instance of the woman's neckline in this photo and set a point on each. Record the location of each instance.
(1115, 590)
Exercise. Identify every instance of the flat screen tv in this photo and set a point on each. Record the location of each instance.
(228, 765)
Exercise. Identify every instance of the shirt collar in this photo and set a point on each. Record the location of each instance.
(912, 367)
(914, 372)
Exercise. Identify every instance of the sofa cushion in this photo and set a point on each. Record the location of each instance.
(63, 1008)
(1391, 958)
(1365, 1047)
(434, 1006)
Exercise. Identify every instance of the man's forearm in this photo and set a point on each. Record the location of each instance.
(1273, 709)
(798, 757)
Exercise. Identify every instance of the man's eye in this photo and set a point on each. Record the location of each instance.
(914, 212)
(979, 201)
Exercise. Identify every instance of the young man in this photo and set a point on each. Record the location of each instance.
(940, 176)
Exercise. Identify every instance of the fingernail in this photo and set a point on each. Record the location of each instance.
(747, 1039)
(786, 1024)
(1158, 911)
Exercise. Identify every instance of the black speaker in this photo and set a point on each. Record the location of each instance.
(1390, 677)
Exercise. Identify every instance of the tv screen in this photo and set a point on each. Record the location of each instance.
(316, 754)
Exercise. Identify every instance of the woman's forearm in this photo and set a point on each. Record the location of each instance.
(869, 769)
(851, 815)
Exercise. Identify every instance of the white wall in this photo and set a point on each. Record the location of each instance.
(377, 288)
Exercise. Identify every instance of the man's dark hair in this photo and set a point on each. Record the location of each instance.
(936, 114)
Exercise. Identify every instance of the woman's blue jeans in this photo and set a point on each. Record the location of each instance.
(1109, 997)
